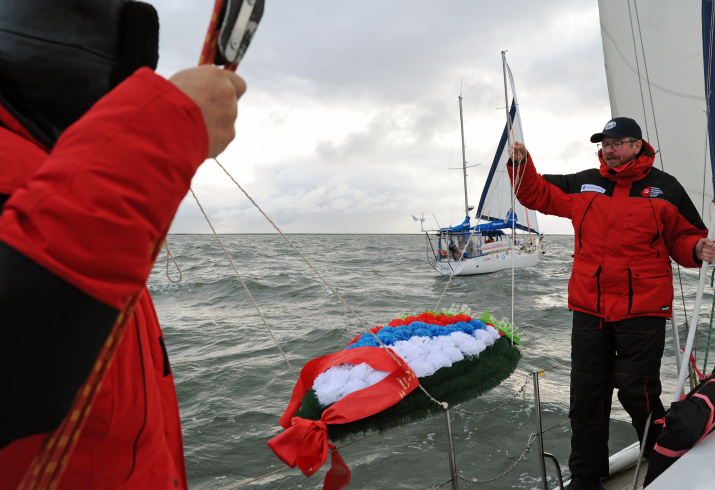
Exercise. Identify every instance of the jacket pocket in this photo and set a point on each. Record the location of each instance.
(585, 286)
(650, 289)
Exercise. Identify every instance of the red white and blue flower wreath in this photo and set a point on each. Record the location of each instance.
(371, 384)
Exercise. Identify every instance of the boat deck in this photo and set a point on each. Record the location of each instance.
(694, 471)
(623, 480)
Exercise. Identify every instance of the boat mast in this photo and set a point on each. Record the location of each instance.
(464, 159)
(509, 135)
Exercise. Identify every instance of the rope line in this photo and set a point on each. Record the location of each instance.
(544, 431)
(641, 455)
(650, 91)
(444, 405)
(250, 296)
(168, 254)
(627, 63)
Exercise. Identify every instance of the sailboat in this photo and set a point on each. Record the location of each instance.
(506, 234)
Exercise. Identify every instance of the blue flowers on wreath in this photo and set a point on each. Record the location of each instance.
(391, 335)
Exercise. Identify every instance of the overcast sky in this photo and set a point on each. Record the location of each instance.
(351, 120)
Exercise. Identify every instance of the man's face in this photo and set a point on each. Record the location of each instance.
(617, 157)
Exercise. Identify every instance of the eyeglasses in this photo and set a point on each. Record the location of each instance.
(615, 146)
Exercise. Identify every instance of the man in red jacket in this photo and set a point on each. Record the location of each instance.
(629, 219)
(96, 153)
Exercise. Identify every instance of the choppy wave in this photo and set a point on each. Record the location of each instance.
(233, 382)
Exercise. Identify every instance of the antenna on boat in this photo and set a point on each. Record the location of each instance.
(464, 158)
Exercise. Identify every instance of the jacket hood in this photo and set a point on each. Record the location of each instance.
(57, 58)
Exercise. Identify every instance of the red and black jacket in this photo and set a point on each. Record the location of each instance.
(80, 228)
(628, 221)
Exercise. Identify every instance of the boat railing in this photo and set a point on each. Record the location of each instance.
(454, 247)
(535, 437)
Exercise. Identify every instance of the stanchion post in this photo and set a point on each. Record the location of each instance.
(452, 460)
(539, 433)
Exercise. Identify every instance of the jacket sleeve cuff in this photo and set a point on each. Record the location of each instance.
(696, 259)
(521, 162)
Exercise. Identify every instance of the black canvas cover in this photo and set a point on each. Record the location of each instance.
(686, 423)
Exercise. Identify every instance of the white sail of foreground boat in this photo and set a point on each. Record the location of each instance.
(658, 61)
(506, 234)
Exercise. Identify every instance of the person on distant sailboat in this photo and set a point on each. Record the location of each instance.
(629, 219)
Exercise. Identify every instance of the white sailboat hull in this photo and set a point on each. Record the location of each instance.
(490, 262)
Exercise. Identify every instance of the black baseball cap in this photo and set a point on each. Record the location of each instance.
(619, 127)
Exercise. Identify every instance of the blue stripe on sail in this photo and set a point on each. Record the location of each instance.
(709, 71)
(497, 157)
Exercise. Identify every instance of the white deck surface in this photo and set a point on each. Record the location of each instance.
(695, 470)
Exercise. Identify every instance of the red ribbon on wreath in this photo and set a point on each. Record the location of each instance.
(304, 443)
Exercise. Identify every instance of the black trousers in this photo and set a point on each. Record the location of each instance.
(605, 355)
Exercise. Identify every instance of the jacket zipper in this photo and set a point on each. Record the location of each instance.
(580, 225)
(141, 431)
(598, 286)
(630, 289)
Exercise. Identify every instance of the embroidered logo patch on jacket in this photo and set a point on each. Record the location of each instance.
(651, 192)
(592, 188)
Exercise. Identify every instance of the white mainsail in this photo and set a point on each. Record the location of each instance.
(658, 60)
(653, 53)
(497, 197)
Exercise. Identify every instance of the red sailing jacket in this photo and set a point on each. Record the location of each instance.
(92, 212)
(627, 222)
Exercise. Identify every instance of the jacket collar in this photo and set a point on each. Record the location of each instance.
(22, 126)
(634, 170)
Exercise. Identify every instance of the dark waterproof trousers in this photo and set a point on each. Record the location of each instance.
(605, 355)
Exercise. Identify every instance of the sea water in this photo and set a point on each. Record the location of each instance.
(234, 380)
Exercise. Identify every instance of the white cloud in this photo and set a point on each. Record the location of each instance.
(350, 123)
